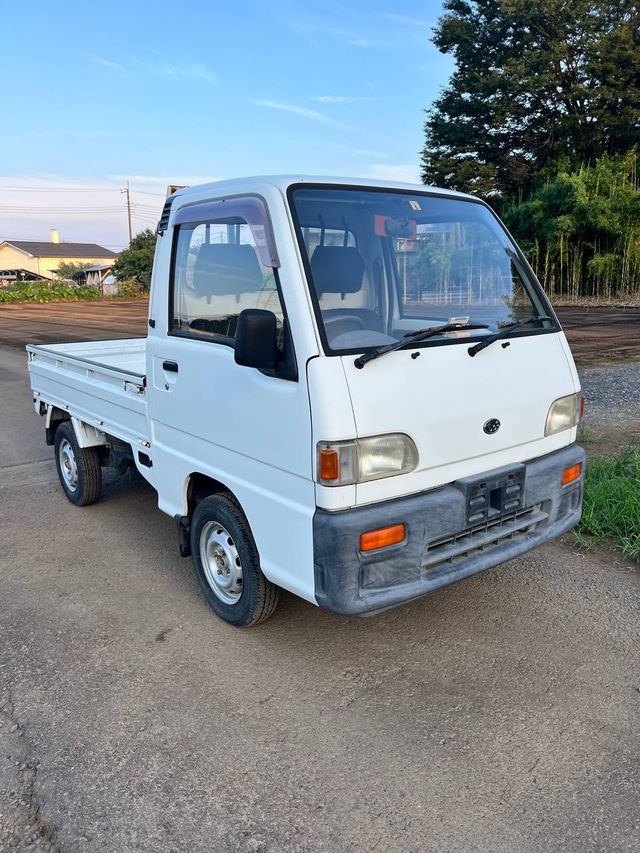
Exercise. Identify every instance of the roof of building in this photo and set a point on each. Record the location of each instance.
(61, 250)
(15, 273)
(95, 268)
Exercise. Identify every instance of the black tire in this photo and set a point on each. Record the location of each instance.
(251, 598)
(81, 487)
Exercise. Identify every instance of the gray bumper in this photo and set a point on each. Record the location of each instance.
(444, 541)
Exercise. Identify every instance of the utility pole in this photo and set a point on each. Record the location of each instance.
(126, 192)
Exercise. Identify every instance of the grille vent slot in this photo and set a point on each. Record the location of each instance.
(460, 546)
(164, 218)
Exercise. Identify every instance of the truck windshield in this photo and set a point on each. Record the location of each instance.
(382, 263)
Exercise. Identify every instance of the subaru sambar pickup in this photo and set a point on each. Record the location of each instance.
(352, 390)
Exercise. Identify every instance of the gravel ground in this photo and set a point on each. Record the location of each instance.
(496, 715)
(499, 714)
(612, 396)
(21, 827)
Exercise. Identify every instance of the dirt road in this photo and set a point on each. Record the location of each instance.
(498, 714)
(596, 335)
(599, 335)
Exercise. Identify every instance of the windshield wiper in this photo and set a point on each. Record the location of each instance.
(414, 337)
(503, 333)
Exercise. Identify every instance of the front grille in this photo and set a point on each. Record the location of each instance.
(459, 546)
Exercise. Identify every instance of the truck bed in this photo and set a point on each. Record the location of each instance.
(100, 382)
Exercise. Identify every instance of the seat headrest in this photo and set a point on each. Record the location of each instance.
(337, 269)
(226, 268)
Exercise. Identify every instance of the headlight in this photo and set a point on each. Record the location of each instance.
(342, 463)
(563, 414)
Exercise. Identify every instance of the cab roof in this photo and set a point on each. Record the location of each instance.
(283, 182)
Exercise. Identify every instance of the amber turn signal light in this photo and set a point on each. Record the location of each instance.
(569, 475)
(383, 537)
(329, 465)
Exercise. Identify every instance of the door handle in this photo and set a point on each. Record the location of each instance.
(170, 366)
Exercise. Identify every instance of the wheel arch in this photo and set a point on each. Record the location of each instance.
(54, 416)
(199, 486)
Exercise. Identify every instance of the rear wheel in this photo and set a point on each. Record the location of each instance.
(78, 467)
(227, 563)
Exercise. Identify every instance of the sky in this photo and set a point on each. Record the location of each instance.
(97, 94)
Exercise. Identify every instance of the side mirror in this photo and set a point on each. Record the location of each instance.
(256, 339)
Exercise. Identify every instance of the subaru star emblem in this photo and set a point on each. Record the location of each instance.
(491, 426)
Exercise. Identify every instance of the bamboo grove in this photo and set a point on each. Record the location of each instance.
(581, 231)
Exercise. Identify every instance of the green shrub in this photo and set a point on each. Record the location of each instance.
(38, 291)
(131, 289)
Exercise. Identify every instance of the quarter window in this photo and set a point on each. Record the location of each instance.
(217, 274)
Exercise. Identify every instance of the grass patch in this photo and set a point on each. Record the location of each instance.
(584, 435)
(612, 503)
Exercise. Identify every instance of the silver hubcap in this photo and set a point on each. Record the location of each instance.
(68, 465)
(221, 562)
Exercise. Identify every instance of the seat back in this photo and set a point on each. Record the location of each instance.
(226, 269)
(337, 269)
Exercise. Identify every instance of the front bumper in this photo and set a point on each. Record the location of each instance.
(442, 544)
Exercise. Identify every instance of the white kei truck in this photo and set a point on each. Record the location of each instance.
(353, 390)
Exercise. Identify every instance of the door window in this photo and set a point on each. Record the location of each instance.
(217, 274)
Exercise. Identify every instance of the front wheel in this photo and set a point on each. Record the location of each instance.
(227, 564)
(78, 467)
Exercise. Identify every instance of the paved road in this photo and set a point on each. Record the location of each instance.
(499, 714)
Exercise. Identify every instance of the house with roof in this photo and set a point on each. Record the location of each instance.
(29, 260)
(100, 276)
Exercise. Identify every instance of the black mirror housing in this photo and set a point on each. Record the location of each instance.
(256, 339)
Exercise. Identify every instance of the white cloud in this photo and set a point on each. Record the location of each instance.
(162, 181)
(108, 63)
(370, 42)
(348, 149)
(316, 25)
(168, 70)
(339, 99)
(196, 71)
(407, 173)
(313, 115)
(408, 20)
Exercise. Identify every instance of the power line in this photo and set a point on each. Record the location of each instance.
(76, 190)
(61, 189)
(146, 213)
(52, 211)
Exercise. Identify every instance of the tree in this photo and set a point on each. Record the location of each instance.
(536, 86)
(136, 262)
(67, 270)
